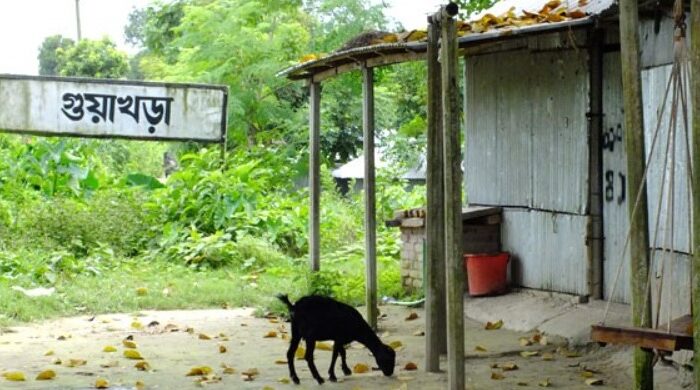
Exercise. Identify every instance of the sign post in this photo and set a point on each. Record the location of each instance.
(96, 108)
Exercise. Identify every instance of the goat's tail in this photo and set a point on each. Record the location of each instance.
(285, 299)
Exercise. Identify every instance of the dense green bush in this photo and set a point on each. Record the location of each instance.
(113, 218)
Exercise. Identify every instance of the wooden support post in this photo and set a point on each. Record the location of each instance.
(634, 142)
(452, 157)
(370, 213)
(695, 99)
(594, 239)
(435, 327)
(315, 175)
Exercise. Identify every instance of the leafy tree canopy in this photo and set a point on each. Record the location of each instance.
(48, 63)
(92, 58)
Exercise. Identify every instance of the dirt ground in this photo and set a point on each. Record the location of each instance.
(171, 355)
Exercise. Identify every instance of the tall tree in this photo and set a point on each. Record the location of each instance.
(93, 58)
(48, 61)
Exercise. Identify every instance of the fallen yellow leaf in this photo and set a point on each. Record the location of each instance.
(528, 353)
(545, 383)
(15, 376)
(284, 380)
(129, 344)
(396, 345)
(270, 334)
(547, 356)
(46, 375)
(229, 370)
(323, 346)
(101, 383)
(49, 352)
(222, 348)
(280, 361)
(300, 353)
(137, 325)
(508, 366)
(497, 376)
(203, 336)
(141, 291)
(142, 366)
(308, 57)
(200, 370)
(76, 362)
(109, 348)
(132, 354)
(494, 325)
(360, 368)
(139, 385)
(57, 361)
(480, 348)
(524, 342)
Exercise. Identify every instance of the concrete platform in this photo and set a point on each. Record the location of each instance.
(551, 313)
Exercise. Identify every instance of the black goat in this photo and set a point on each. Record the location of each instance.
(317, 318)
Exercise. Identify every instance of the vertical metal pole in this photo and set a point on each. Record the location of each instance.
(453, 203)
(435, 326)
(695, 99)
(639, 224)
(315, 175)
(77, 18)
(594, 240)
(369, 189)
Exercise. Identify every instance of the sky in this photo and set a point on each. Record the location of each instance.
(25, 23)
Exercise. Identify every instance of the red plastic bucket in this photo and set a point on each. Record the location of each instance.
(487, 273)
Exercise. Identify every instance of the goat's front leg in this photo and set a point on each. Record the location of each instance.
(331, 370)
(293, 344)
(310, 346)
(343, 363)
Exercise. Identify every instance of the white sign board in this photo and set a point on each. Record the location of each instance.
(112, 108)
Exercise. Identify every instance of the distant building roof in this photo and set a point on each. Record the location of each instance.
(355, 168)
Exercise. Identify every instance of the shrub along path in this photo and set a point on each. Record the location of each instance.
(233, 342)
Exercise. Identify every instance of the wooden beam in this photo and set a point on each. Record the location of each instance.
(370, 211)
(695, 108)
(315, 175)
(452, 158)
(641, 337)
(435, 326)
(594, 239)
(634, 142)
(381, 60)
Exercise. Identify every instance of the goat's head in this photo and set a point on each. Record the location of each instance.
(386, 359)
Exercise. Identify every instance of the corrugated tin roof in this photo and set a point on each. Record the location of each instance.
(388, 53)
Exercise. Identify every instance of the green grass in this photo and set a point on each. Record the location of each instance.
(168, 287)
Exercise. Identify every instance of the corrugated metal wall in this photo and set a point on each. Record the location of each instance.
(548, 250)
(527, 150)
(615, 196)
(656, 58)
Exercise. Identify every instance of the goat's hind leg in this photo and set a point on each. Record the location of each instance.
(331, 370)
(293, 344)
(343, 363)
(310, 346)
